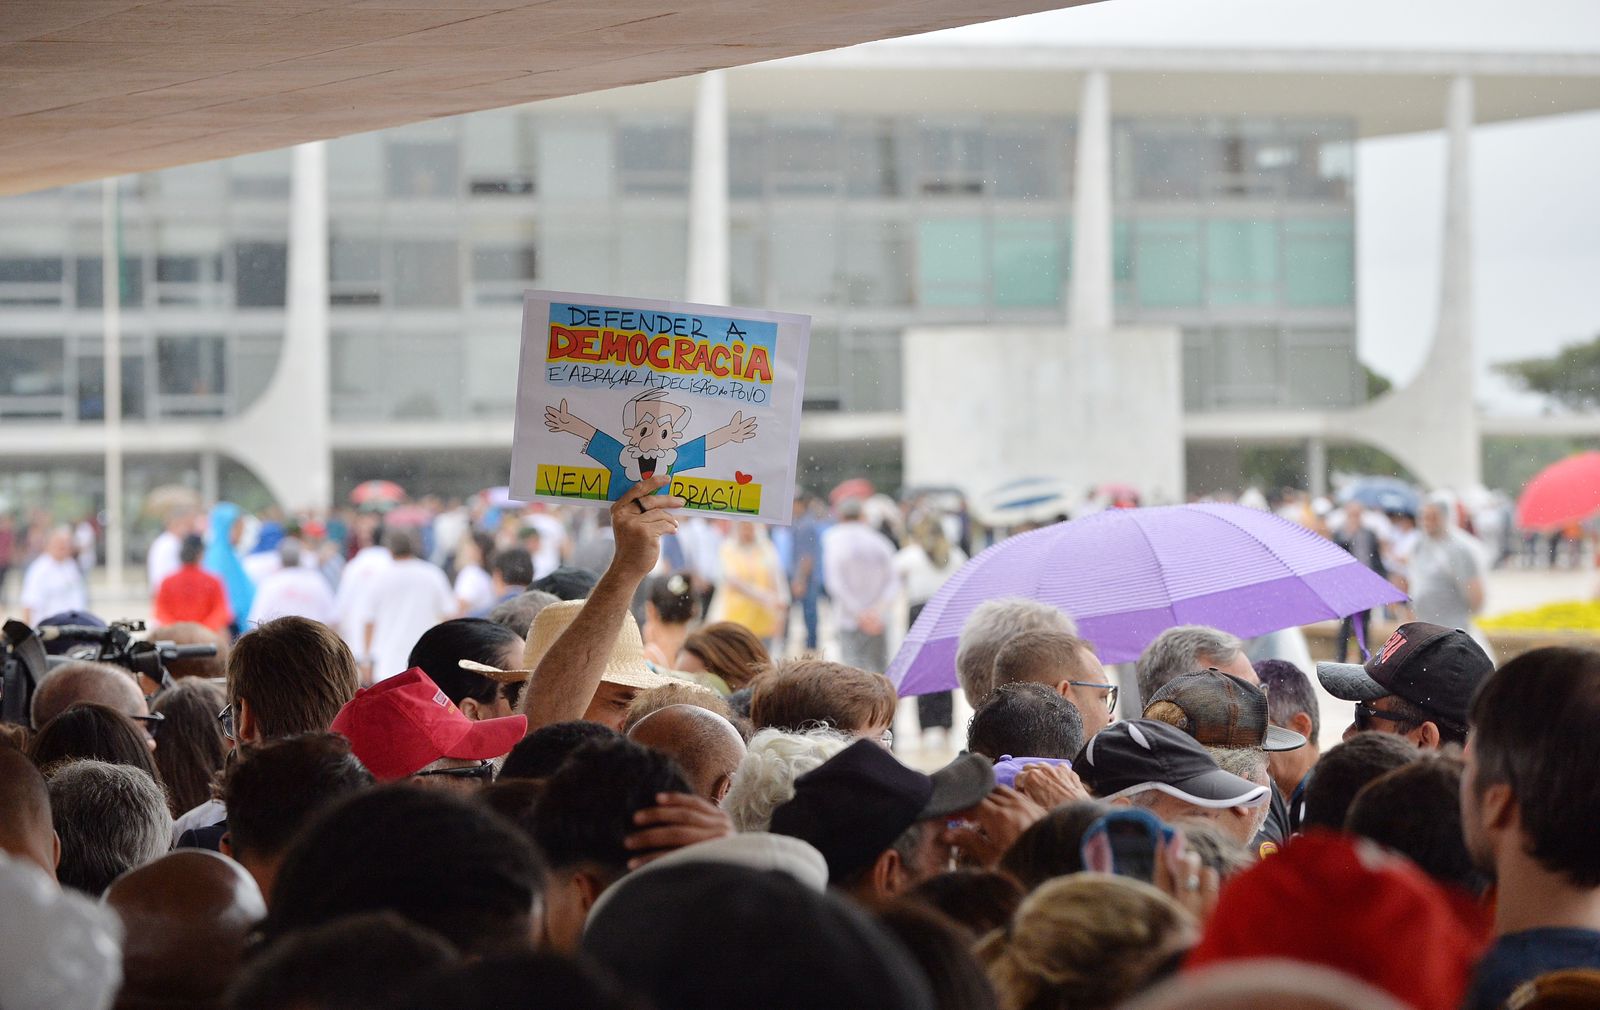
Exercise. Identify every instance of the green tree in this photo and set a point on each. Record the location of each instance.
(1570, 377)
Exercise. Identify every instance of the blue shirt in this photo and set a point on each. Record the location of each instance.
(1521, 957)
(607, 451)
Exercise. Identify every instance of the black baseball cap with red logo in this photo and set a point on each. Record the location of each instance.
(1435, 668)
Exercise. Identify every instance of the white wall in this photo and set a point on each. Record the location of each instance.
(988, 404)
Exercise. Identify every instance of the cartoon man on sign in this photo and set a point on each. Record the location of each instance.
(652, 427)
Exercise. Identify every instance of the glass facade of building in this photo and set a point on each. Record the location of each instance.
(1240, 231)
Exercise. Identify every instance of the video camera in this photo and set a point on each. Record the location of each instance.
(24, 662)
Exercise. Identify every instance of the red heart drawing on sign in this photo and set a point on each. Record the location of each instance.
(740, 477)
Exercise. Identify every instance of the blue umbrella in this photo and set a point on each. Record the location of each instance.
(1386, 494)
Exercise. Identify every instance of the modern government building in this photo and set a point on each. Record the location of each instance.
(295, 321)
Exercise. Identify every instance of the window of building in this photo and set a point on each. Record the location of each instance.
(824, 371)
(491, 357)
(260, 274)
(577, 255)
(1242, 262)
(1026, 161)
(653, 255)
(653, 158)
(422, 162)
(32, 271)
(1171, 163)
(355, 267)
(189, 266)
(1029, 262)
(356, 167)
(424, 375)
(1322, 369)
(575, 159)
(191, 375)
(747, 258)
(505, 260)
(803, 252)
(1167, 259)
(426, 273)
(261, 176)
(877, 262)
(198, 185)
(357, 374)
(951, 162)
(803, 157)
(33, 377)
(92, 379)
(872, 159)
(1247, 368)
(89, 282)
(1319, 262)
(747, 157)
(950, 262)
(498, 148)
(871, 370)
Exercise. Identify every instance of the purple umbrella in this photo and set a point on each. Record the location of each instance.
(1126, 575)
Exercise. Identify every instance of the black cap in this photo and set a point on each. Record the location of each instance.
(797, 948)
(855, 804)
(567, 583)
(1142, 754)
(1220, 710)
(1435, 668)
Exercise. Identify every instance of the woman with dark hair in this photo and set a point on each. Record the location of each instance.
(942, 948)
(1052, 847)
(192, 748)
(441, 649)
(729, 652)
(96, 732)
(668, 612)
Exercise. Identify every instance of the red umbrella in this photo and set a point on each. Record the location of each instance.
(408, 516)
(1563, 493)
(856, 487)
(377, 492)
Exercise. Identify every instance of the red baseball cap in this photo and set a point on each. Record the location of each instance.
(1347, 904)
(400, 725)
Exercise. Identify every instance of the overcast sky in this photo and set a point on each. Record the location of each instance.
(1536, 183)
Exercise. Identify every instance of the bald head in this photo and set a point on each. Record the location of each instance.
(25, 829)
(97, 683)
(704, 744)
(186, 917)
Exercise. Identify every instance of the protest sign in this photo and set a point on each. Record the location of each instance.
(613, 390)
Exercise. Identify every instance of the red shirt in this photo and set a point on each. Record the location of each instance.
(190, 594)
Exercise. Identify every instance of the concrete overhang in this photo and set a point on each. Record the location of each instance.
(1384, 92)
(91, 88)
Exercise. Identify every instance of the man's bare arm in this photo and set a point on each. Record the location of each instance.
(568, 675)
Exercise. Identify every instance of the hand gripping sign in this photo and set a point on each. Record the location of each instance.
(614, 390)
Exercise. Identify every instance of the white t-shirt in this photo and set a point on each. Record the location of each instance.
(474, 588)
(351, 602)
(858, 572)
(163, 558)
(50, 587)
(552, 536)
(293, 592)
(406, 600)
(921, 577)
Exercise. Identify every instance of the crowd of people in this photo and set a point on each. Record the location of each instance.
(402, 804)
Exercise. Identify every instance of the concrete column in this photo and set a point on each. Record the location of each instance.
(111, 374)
(1091, 300)
(1317, 467)
(708, 194)
(284, 435)
(210, 481)
(1453, 345)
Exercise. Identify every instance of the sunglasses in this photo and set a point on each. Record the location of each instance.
(483, 771)
(1366, 715)
(151, 723)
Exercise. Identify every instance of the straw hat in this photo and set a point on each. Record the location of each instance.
(626, 665)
